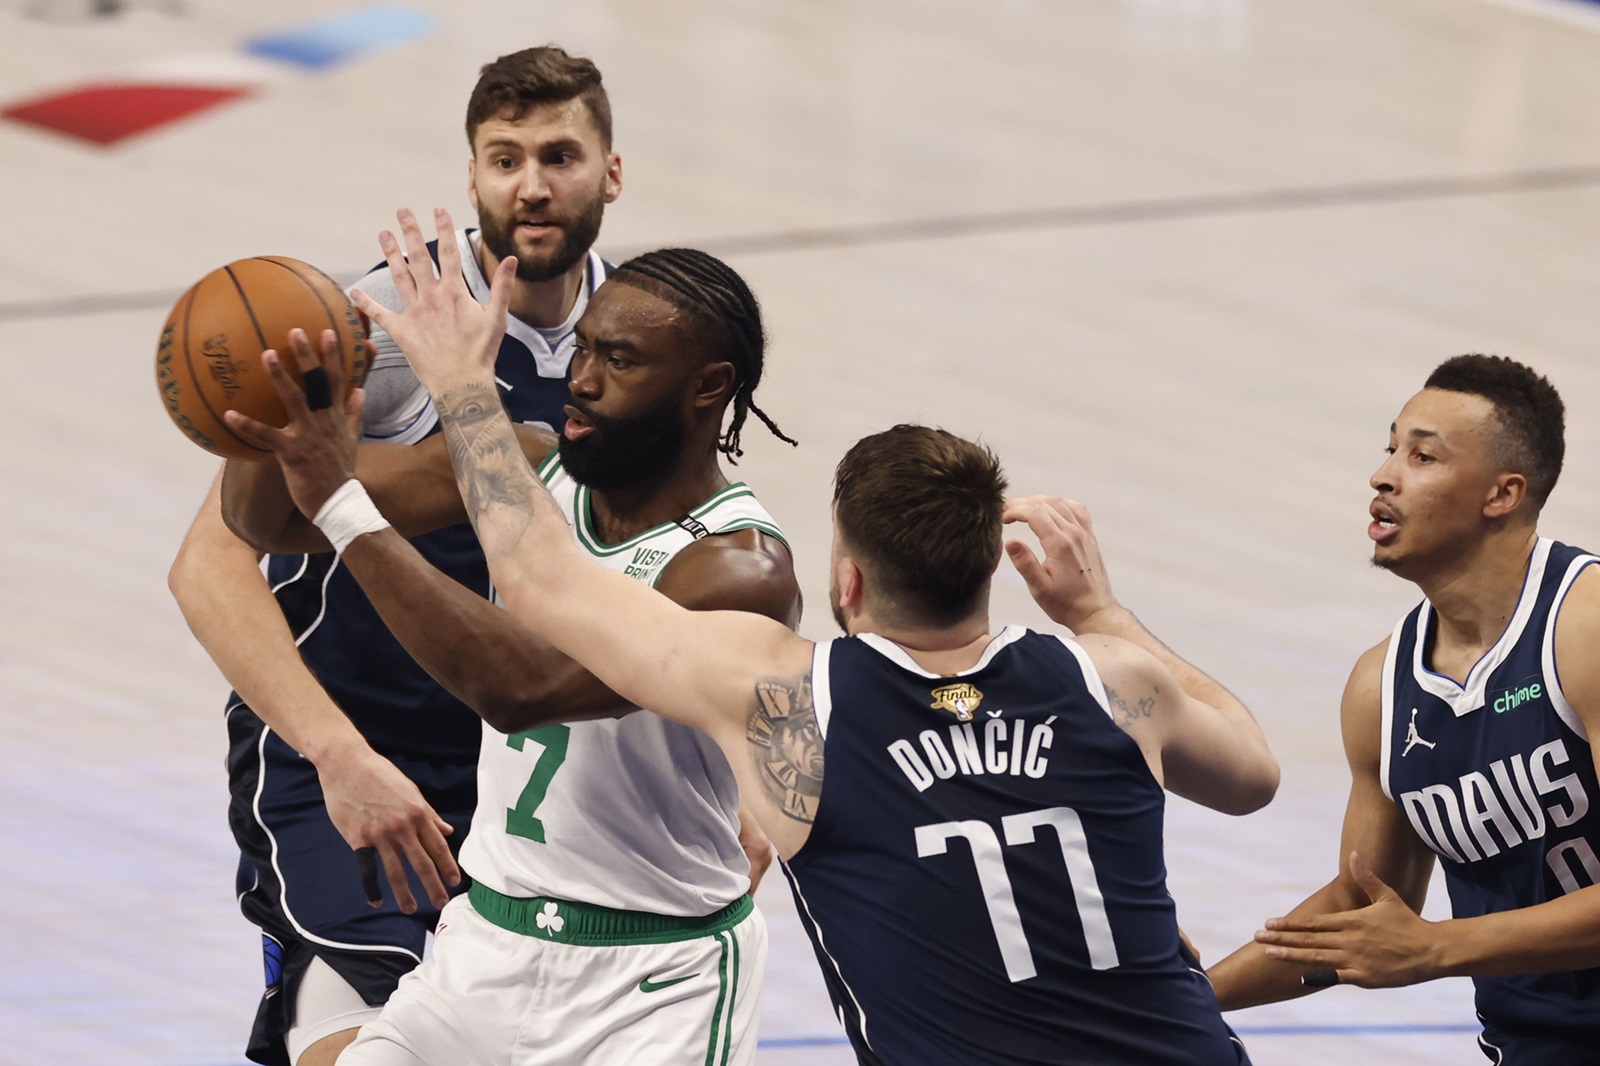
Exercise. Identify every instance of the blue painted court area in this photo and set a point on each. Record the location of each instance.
(340, 38)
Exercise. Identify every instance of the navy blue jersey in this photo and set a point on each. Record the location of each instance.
(984, 881)
(1496, 776)
(344, 641)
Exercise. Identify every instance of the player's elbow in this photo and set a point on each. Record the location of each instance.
(1255, 786)
(240, 525)
(182, 574)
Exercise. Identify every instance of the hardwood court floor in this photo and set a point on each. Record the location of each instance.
(1181, 259)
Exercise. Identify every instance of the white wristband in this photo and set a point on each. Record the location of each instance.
(347, 514)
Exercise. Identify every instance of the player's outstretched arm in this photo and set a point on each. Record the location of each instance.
(1389, 852)
(1071, 585)
(218, 584)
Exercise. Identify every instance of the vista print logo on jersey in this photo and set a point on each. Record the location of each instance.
(960, 700)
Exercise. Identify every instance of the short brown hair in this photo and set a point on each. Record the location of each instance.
(921, 508)
(514, 83)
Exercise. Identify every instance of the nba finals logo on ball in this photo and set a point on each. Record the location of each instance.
(209, 358)
(959, 700)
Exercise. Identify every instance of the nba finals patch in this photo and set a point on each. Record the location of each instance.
(960, 700)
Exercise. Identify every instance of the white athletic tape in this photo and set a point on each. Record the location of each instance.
(348, 514)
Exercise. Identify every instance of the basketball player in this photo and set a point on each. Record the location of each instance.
(1048, 935)
(1467, 735)
(603, 855)
(349, 743)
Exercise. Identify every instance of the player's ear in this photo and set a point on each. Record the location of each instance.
(472, 182)
(852, 583)
(613, 178)
(715, 386)
(1505, 496)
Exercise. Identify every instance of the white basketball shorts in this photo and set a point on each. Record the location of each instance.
(545, 982)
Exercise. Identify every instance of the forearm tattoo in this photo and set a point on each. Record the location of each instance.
(491, 470)
(787, 746)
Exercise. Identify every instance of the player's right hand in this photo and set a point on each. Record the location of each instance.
(1070, 583)
(374, 805)
(316, 447)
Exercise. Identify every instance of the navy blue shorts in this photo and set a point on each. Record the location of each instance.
(298, 880)
(1551, 1047)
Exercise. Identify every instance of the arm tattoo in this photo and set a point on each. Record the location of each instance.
(491, 470)
(787, 745)
(1127, 713)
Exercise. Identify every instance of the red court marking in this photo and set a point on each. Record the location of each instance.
(106, 114)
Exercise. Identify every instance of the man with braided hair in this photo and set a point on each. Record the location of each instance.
(608, 920)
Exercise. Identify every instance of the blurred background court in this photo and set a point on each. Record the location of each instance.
(1181, 259)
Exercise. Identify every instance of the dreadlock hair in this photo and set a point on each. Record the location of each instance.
(703, 286)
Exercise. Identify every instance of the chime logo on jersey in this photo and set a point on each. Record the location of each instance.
(1517, 695)
(960, 700)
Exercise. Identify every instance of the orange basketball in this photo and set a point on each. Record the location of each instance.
(209, 358)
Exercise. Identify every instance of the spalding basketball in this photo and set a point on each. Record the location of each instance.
(209, 358)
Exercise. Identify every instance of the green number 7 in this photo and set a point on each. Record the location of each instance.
(520, 821)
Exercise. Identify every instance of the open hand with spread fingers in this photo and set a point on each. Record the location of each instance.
(317, 445)
(1070, 583)
(449, 338)
(1385, 944)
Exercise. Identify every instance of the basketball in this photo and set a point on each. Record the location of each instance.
(209, 357)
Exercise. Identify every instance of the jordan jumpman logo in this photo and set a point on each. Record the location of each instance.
(1413, 738)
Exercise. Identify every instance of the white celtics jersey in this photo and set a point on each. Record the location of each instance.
(636, 812)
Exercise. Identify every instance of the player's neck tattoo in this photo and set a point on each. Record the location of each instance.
(787, 745)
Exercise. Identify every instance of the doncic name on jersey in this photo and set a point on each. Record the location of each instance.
(973, 744)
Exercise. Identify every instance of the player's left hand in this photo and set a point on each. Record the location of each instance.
(1070, 583)
(757, 847)
(1383, 945)
(449, 338)
(317, 445)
